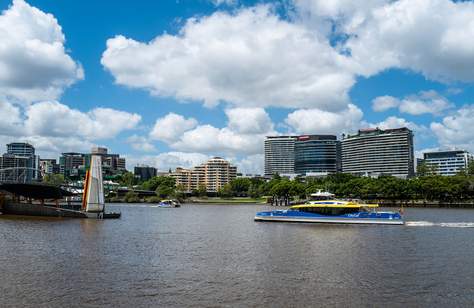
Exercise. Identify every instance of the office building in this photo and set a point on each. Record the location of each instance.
(144, 173)
(20, 164)
(375, 152)
(312, 155)
(74, 165)
(15, 168)
(48, 166)
(280, 155)
(213, 175)
(447, 163)
(20, 149)
(317, 154)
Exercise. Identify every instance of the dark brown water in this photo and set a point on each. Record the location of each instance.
(217, 256)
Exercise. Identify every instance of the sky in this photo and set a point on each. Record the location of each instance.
(171, 83)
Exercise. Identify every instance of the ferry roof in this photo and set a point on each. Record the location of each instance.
(334, 204)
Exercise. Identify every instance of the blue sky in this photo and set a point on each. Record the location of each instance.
(184, 80)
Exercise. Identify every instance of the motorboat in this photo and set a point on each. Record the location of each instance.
(169, 203)
(324, 209)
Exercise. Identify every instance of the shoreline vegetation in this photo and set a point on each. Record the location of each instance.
(425, 190)
(211, 200)
(265, 201)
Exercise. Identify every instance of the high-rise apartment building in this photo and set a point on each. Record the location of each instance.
(20, 163)
(447, 163)
(375, 152)
(317, 154)
(280, 155)
(213, 175)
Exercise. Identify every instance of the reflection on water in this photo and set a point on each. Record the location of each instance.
(215, 255)
(440, 224)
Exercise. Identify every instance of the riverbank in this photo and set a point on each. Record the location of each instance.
(228, 200)
(425, 203)
(263, 200)
(208, 200)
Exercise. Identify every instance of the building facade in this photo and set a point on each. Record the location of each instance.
(302, 155)
(15, 168)
(48, 166)
(213, 175)
(375, 152)
(317, 154)
(19, 164)
(447, 163)
(144, 173)
(280, 155)
(74, 165)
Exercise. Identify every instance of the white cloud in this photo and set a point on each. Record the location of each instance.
(56, 119)
(249, 120)
(11, 121)
(396, 122)
(386, 102)
(252, 164)
(212, 140)
(226, 2)
(425, 102)
(167, 160)
(34, 64)
(421, 103)
(171, 127)
(250, 58)
(54, 128)
(141, 144)
(454, 130)
(433, 37)
(345, 15)
(244, 133)
(53, 146)
(315, 121)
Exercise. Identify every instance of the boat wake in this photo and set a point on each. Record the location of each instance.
(439, 224)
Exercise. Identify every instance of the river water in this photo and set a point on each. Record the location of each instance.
(217, 256)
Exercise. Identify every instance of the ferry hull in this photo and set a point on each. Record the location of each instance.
(331, 220)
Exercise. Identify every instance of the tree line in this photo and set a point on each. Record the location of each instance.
(426, 186)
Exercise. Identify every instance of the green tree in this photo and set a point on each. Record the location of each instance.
(470, 168)
(131, 197)
(240, 187)
(226, 191)
(201, 191)
(54, 179)
(127, 179)
(164, 191)
(155, 182)
(180, 192)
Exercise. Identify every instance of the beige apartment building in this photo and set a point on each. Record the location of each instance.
(213, 175)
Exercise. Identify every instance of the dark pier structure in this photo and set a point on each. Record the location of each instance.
(37, 200)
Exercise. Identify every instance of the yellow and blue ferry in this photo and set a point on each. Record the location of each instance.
(327, 210)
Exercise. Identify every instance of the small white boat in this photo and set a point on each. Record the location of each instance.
(169, 203)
